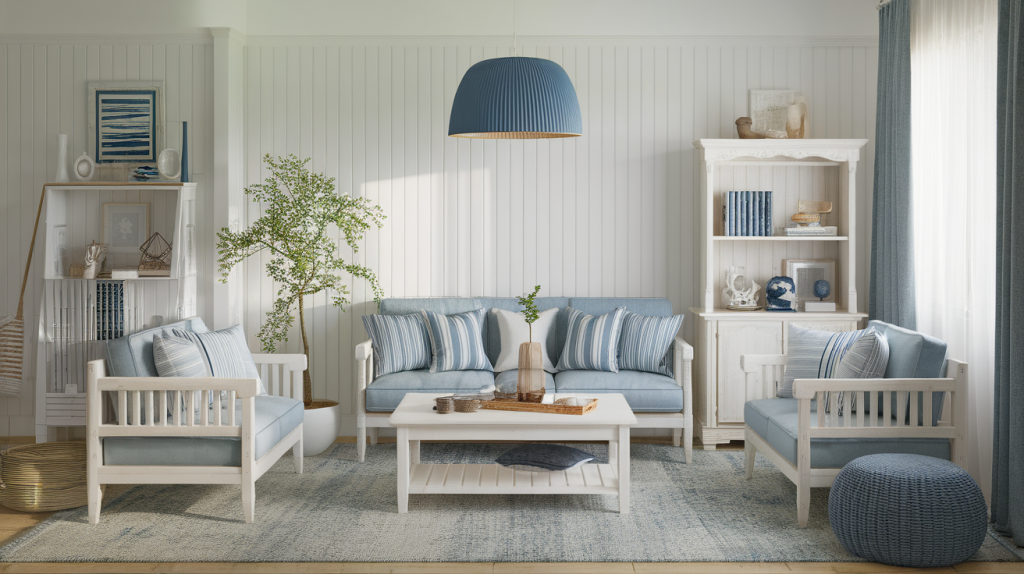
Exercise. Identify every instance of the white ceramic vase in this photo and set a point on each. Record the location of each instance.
(320, 428)
(62, 159)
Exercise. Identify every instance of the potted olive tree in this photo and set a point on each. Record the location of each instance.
(301, 215)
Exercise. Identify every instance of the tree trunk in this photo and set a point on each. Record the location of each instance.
(307, 383)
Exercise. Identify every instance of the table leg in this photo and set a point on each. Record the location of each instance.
(613, 451)
(403, 470)
(414, 451)
(623, 462)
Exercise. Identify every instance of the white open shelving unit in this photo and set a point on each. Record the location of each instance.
(73, 326)
(793, 170)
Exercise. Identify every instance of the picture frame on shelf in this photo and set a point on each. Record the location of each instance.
(126, 121)
(769, 109)
(125, 226)
(805, 272)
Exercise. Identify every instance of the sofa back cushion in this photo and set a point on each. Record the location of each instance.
(132, 356)
(914, 355)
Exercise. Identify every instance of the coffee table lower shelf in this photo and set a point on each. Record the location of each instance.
(497, 479)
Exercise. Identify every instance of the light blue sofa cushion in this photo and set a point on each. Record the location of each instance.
(645, 392)
(775, 421)
(492, 335)
(507, 381)
(914, 355)
(650, 306)
(413, 305)
(132, 356)
(384, 394)
(275, 418)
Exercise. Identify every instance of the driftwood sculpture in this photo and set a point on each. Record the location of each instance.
(743, 129)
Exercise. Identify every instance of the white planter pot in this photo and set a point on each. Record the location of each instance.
(320, 428)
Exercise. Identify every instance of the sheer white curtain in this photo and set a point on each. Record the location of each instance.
(953, 70)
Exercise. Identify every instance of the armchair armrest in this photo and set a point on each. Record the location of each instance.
(750, 363)
(682, 358)
(282, 384)
(762, 372)
(364, 350)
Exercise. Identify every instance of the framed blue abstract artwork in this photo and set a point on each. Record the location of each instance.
(126, 121)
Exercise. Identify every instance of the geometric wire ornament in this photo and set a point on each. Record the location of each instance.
(156, 254)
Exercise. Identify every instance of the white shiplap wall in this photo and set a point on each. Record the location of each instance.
(42, 94)
(607, 214)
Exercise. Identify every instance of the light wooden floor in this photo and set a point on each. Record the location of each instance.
(13, 524)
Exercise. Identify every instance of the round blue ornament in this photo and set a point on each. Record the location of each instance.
(822, 289)
(780, 294)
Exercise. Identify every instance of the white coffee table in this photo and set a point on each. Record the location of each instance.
(416, 420)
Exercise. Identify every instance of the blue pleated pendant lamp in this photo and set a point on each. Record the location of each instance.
(515, 98)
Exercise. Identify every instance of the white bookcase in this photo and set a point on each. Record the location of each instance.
(793, 170)
(75, 318)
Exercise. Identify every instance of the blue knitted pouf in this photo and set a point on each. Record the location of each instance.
(907, 510)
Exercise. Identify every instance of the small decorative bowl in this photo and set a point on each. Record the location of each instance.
(467, 405)
(445, 405)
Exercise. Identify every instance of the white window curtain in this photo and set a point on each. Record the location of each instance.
(953, 124)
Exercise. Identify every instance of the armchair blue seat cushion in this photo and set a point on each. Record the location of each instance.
(275, 418)
(384, 393)
(775, 421)
(645, 392)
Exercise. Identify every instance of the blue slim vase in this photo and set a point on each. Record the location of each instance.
(184, 152)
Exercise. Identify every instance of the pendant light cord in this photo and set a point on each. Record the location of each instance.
(515, 38)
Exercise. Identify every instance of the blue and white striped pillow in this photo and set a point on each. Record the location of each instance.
(457, 341)
(400, 343)
(592, 343)
(645, 341)
(226, 353)
(178, 357)
(867, 358)
(814, 354)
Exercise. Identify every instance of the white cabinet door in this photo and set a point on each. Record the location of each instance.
(737, 338)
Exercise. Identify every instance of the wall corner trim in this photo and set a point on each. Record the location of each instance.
(229, 33)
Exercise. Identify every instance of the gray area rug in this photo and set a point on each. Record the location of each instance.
(341, 510)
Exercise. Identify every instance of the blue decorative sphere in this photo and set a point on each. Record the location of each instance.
(781, 294)
(822, 289)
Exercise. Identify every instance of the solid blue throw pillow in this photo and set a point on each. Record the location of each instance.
(542, 456)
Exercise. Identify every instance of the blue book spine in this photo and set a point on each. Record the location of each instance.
(770, 230)
(741, 213)
(748, 212)
(756, 215)
(760, 214)
(732, 213)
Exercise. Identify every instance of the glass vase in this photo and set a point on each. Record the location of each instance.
(530, 383)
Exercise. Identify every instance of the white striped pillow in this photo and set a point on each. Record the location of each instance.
(645, 341)
(400, 343)
(592, 343)
(226, 353)
(457, 341)
(178, 357)
(866, 358)
(814, 354)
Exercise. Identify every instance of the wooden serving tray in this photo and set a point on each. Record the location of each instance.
(557, 409)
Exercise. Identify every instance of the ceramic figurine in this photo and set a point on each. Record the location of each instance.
(822, 289)
(94, 255)
(781, 294)
(744, 131)
(796, 119)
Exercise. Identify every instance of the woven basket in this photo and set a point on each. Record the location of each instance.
(44, 477)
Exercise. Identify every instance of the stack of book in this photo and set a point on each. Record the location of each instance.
(748, 213)
(811, 231)
(109, 310)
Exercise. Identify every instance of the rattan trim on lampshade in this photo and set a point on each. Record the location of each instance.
(44, 477)
(515, 98)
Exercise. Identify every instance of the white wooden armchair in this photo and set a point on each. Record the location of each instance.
(814, 428)
(142, 413)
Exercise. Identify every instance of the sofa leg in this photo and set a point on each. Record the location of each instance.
(803, 503)
(297, 455)
(749, 453)
(249, 500)
(677, 436)
(373, 435)
(95, 496)
(688, 445)
(361, 442)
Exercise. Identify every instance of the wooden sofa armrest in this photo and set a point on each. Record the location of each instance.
(682, 359)
(750, 363)
(364, 350)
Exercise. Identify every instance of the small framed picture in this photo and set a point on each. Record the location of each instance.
(126, 121)
(805, 272)
(125, 226)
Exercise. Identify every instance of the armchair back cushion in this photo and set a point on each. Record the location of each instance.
(132, 356)
(914, 355)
